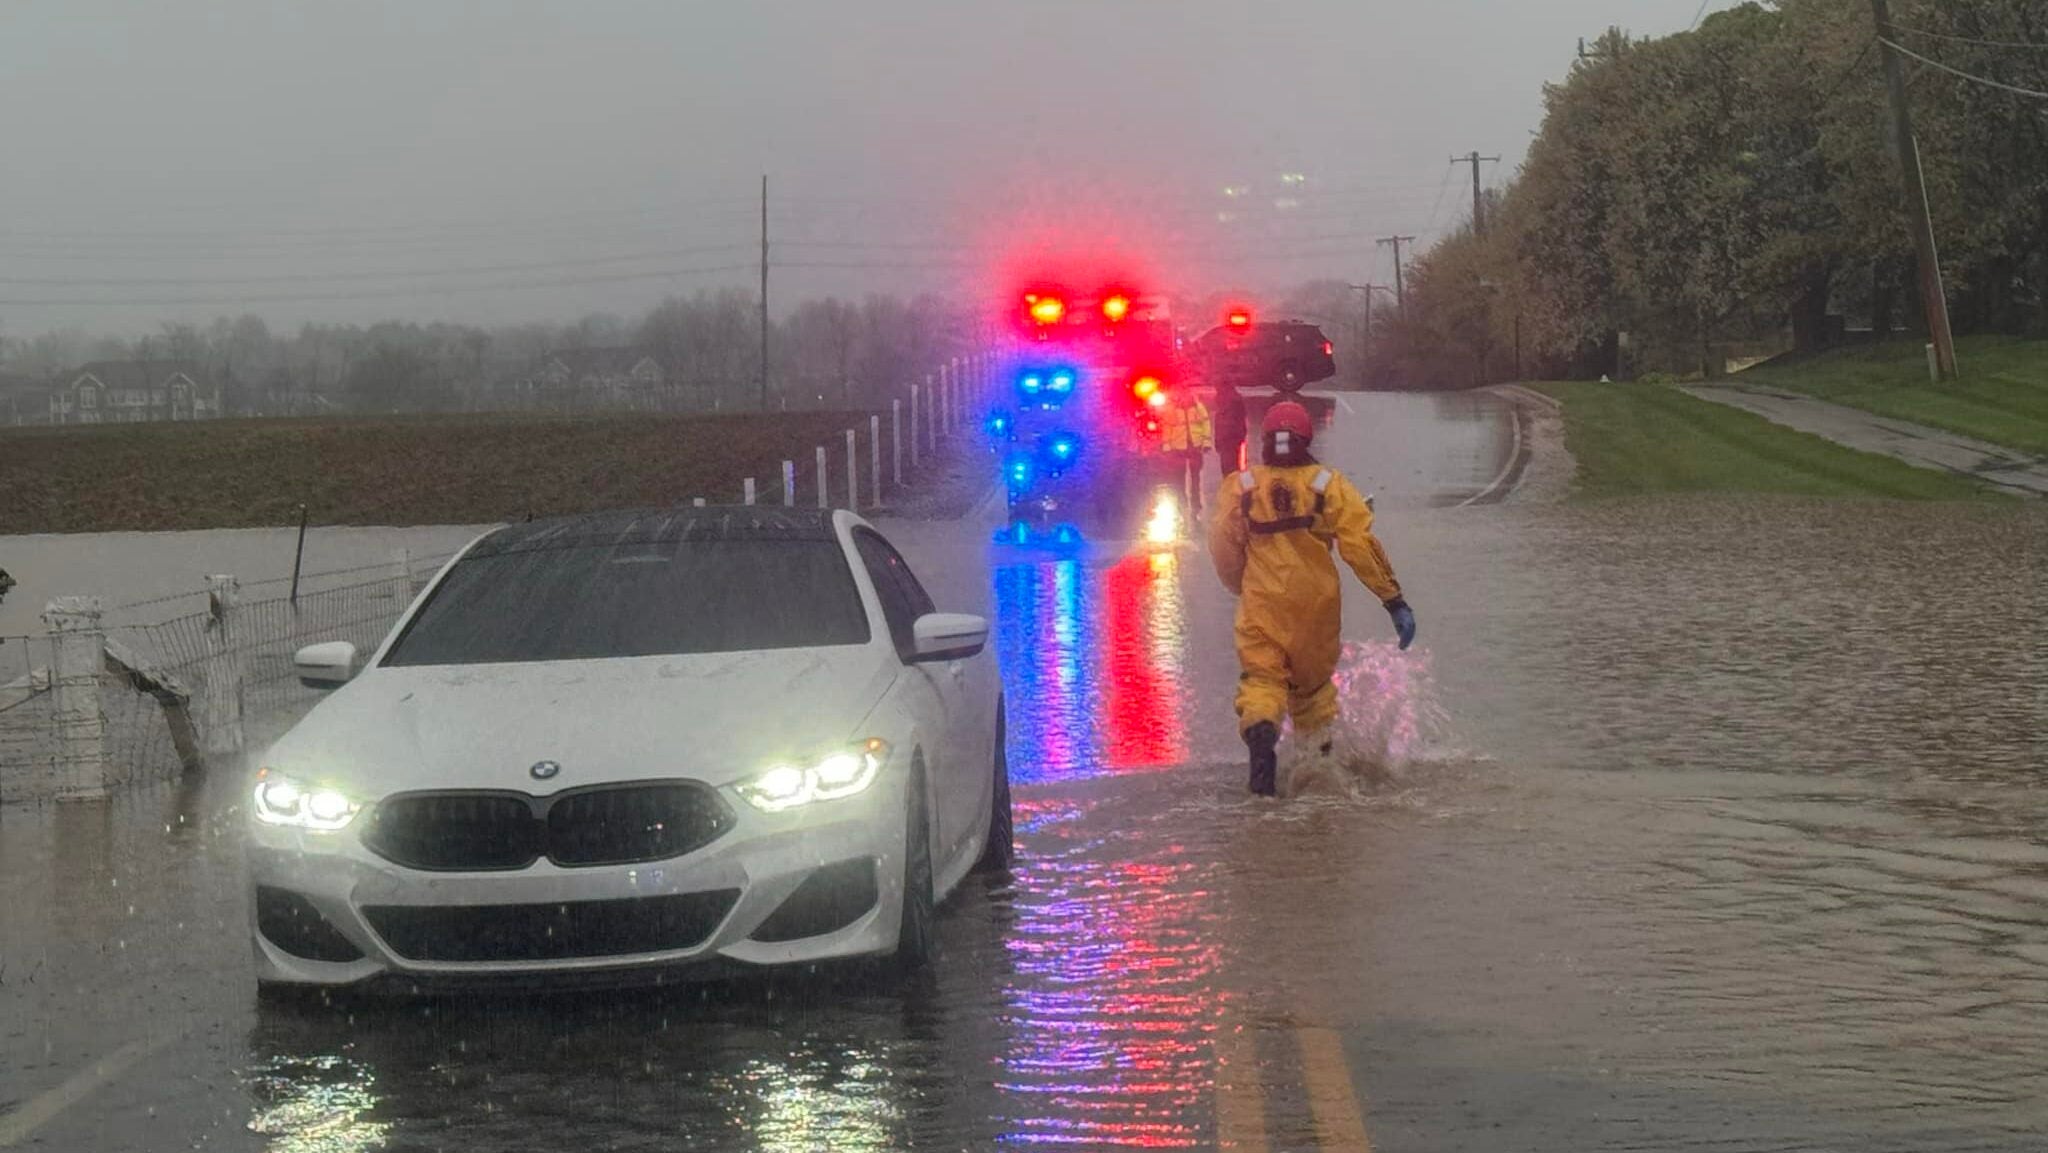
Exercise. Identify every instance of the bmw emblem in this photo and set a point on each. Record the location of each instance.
(545, 770)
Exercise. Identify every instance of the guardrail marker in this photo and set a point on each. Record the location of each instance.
(789, 484)
(824, 494)
(747, 490)
(852, 472)
(875, 457)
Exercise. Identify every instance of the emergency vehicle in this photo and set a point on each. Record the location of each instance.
(1089, 373)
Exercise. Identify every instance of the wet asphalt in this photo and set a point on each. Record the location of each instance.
(1691, 824)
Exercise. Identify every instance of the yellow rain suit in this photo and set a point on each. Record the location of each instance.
(1184, 427)
(1271, 540)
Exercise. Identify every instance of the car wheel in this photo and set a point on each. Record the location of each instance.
(1290, 379)
(1001, 850)
(916, 930)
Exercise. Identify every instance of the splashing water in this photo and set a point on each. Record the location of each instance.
(1390, 721)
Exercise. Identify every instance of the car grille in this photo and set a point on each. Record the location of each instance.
(289, 921)
(551, 932)
(607, 825)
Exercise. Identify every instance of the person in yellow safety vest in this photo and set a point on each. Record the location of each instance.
(1185, 435)
(1271, 538)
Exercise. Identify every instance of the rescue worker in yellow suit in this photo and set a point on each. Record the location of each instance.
(1184, 437)
(1274, 528)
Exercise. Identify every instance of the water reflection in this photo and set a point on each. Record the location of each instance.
(776, 1067)
(315, 1104)
(1114, 947)
(1097, 646)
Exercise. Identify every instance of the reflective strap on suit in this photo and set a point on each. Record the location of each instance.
(1246, 486)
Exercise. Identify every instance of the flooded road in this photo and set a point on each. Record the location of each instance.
(1711, 824)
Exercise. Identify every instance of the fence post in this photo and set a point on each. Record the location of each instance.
(914, 454)
(79, 725)
(852, 473)
(958, 397)
(788, 484)
(298, 556)
(875, 458)
(945, 401)
(220, 701)
(931, 426)
(747, 490)
(896, 443)
(824, 494)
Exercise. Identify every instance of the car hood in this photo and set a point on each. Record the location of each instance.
(717, 718)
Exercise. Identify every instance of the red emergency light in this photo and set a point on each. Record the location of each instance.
(1147, 387)
(1115, 307)
(1238, 318)
(1045, 309)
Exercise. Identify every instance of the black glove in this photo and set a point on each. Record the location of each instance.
(1404, 620)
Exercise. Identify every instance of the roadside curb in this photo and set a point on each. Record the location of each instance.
(1526, 395)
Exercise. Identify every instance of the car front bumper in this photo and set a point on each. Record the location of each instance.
(747, 899)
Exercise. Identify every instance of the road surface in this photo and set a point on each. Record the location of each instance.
(1708, 824)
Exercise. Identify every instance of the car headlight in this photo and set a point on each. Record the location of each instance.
(839, 775)
(297, 804)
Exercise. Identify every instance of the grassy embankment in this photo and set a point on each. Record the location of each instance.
(2002, 395)
(1630, 439)
(405, 470)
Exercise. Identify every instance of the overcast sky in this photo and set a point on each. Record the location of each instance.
(506, 161)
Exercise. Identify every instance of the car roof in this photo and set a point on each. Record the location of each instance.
(661, 526)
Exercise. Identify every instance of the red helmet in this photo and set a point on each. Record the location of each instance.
(1293, 419)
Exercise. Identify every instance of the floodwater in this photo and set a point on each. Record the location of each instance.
(122, 568)
(1710, 824)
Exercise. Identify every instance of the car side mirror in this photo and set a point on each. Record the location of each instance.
(948, 636)
(325, 665)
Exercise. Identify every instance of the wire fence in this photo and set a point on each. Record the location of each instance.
(27, 723)
(235, 656)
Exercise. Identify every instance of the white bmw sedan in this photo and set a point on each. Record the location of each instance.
(611, 745)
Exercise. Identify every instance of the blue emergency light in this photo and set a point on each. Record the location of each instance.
(1062, 380)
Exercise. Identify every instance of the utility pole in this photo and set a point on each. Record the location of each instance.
(764, 292)
(1400, 298)
(1478, 209)
(1931, 291)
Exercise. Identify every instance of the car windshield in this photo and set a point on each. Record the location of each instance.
(555, 601)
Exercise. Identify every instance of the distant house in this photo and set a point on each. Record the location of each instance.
(629, 377)
(128, 391)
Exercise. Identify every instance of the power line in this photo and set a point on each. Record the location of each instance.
(327, 277)
(1442, 188)
(2034, 45)
(1970, 76)
(1697, 16)
(571, 221)
(389, 294)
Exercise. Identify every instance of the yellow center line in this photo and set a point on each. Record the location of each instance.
(39, 1110)
(1340, 1119)
(1240, 1099)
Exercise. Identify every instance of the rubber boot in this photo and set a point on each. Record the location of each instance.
(1263, 739)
